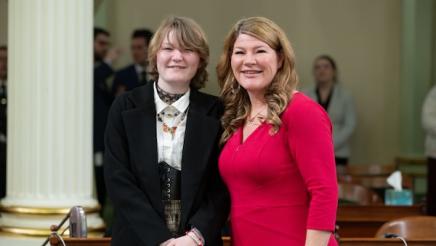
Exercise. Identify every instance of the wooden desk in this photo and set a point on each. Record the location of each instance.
(385, 242)
(364, 221)
(227, 242)
(105, 241)
(370, 242)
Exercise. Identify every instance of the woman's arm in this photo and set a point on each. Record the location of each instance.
(311, 146)
(317, 238)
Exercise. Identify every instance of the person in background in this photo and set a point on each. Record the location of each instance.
(3, 118)
(162, 148)
(429, 125)
(104, 56)
(278, 159)
(134, 74)
(338, 103)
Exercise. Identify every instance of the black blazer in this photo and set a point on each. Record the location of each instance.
(131, 170)
(102, 101)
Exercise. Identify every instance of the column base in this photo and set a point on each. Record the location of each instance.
(30, 222)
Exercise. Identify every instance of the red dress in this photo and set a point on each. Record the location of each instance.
(284, 184)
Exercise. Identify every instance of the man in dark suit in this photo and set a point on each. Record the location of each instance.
(103, 58)
(134, 74)
(3, 121)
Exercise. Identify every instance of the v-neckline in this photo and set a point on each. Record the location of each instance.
(241, 138)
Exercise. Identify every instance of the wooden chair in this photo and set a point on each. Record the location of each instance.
(413, 227)
(373, 177)
(402, 160)
(357, 194)
(370, 170)
(377, 182)
(416, 169)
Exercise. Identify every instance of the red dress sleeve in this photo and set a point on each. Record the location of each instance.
(309, 133)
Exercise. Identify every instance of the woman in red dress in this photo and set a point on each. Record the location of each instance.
(278, 156)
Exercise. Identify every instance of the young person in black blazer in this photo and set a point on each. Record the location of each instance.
(162, 148)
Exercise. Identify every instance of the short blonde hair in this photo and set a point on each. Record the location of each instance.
(189, 35)
(235, 98)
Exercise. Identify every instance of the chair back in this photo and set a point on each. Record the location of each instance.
(413, 227)
(370, 170)
(358, 194)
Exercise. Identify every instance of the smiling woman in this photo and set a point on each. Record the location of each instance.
(176, 65)
(254, 63)
(278, 159)
(162, 148)
(180, 38)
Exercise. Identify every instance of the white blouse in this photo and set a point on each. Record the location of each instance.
(170, 148)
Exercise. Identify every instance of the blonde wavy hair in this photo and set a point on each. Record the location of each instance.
(189, 35)
(279, 92)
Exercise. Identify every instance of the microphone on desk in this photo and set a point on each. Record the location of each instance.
(77, 224)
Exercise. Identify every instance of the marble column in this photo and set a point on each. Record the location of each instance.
(49, 156)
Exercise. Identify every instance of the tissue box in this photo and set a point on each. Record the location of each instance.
(395, 197)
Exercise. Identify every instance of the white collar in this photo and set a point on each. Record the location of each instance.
(181, 105)
(138, 68)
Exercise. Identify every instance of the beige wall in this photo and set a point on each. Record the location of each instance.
(363, 36)
(3, 22)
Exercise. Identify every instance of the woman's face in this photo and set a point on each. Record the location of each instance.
(176, 66)
(254, 63)
(323, 71)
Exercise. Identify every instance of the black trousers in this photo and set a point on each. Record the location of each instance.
(100, 185)
(431, 186)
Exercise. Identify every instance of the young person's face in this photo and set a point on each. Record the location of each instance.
(176, 65)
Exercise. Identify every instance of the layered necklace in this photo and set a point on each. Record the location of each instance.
(170, 98)
(171, 129)
(258, 118)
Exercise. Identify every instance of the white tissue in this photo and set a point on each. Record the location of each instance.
(395, 180)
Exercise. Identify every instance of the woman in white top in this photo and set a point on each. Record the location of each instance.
(338, 103)
(162, 148)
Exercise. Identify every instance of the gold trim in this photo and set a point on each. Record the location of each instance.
(45, 211)
(92, 231)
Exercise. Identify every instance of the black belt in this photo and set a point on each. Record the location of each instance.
(170, 181)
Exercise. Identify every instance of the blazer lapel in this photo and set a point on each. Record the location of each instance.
(200, 136)
(141, 131)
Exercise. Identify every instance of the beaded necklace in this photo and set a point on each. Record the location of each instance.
(169, 98)
(171, 129)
